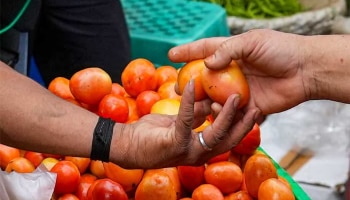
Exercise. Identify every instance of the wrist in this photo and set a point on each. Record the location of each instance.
(119, 145)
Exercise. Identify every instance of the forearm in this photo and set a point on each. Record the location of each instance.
(33, 118)
(327, 67)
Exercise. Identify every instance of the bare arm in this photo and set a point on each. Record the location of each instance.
(33, 118)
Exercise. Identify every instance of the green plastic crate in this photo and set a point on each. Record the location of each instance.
(299, 193)
(155, 26)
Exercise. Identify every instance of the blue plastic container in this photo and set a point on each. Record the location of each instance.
(155, 26)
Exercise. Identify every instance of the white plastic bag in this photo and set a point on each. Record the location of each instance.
(38, 185)
(316, 127)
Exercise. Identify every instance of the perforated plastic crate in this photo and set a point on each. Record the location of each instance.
(155, 26)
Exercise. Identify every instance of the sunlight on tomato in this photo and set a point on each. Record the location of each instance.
(166, 106)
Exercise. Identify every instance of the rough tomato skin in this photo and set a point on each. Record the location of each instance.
(250, 142)
(220, 84)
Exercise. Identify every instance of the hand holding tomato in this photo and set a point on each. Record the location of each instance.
(171, 140)
(272, 66)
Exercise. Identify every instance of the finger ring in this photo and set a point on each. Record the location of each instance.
(201, 140)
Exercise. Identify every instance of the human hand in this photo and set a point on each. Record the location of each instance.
(156, 141)
(271, 61)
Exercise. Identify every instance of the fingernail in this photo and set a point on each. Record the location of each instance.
(236, 100)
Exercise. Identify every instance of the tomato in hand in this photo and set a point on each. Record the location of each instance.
(115, 107)
(250, 142)
(220, 84)
(192, 70)
(105, 189)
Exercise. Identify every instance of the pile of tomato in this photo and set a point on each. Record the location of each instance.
(242, 173)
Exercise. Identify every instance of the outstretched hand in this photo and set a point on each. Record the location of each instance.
(169, 140)
(271, 61)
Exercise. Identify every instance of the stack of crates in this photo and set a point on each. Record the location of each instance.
(155, 26)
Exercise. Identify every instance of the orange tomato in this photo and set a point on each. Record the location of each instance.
(115, 107)
(257, 169)
(225, 175)
(207, 192)
(68, 197)
(166, 106)
(173, 174)
(96, 168)
(20, 165)
(128, 178)
(90, 85)
(275, 189)
(118, 89)
(68, 177)
(7, 153)
(156, 186)
(60, 87)
(133, 114)
(80, 162)
(86, 180)
(167, 91)
(220, 84)
(138, 76)
(191, 176)
(145, 101)
(202, 126)
(192, 70)
(164, 74)
(34, 157)
(221, 157)
(105, 189)
(240, 195)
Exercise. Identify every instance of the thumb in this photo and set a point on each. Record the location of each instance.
(234, 48)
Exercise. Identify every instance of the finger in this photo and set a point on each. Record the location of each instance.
(185, 117)
(215, 109)
(241, 128)
(215, 133)
(201, 111)
(195, 50)
(234, 48)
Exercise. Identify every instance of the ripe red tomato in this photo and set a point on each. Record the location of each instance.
(145, 101)
(275, 189)
(221, 157)
(138, 76)
(90, 85)
(34, 157)
(115, 107)
(250, 142)
(68, 177)
(257, 169)
(220, 84)
(86, 180)
(191, 176)
(68, 197)
(106, 189)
